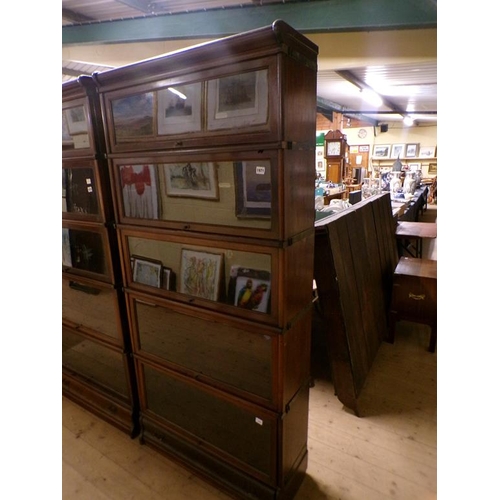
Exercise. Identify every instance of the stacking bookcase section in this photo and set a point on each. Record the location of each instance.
(211, 155)
(98, 371)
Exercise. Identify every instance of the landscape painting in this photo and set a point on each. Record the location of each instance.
(133, 116)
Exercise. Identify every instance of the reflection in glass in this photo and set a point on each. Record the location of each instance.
(79, 191)
(83, 250)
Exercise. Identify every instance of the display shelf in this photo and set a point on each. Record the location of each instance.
(211, 153)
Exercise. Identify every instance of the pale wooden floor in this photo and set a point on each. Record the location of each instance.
(388, 453)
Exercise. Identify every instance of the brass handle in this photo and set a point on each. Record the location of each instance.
(416, 297)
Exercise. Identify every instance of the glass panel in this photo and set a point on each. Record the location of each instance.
(91, 307)
(83, 250)
(79, 192)
(235, 277)
(217, 350)
(224, 193)
(232, 429)
(75, 134)
(93, 361)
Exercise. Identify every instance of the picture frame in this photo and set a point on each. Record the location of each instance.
(179, 109)
(253, 189)
(139, 191)
(381, 150)
(201, 273)
(133, 116)
(168, 279)
(433, 169)
(147, 271)
(250, 289)
(413, 167)
(76, 120)
(398, 151)
(192, 180)
(411, 150)
(427, 152)
(237, 101)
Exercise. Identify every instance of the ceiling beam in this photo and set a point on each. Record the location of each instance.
(73, 17)
(327, 105)
(73, 72)
(307, 17)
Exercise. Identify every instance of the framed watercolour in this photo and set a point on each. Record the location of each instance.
(252, 289)
(139, 191)
(411, 150)
(179, 109)
(147, 271)
(381, 151)
(427, 152)
(398, 151)
(239, 100)
(76, 120)
(433, 169)
(133, 116)
(192, 180)
(253, 189)
(201, 273)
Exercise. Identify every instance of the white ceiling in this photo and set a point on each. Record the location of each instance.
(404, 85)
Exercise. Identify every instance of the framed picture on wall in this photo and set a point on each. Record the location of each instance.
(381, 151)
(433, 169)
(192, 180)
(427, 152)
(411, 150)
(398, 151)
(179, 109)
(239, 100)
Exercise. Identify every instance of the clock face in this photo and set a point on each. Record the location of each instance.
(362, 133)
(333, 148)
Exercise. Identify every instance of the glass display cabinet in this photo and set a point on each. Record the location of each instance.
(97, 367)
(211, 154)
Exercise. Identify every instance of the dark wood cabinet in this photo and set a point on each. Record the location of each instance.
(97, 368)
(211, 154)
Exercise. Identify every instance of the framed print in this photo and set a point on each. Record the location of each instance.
(253, 189)
(179, 109)
(411, 150)
(76, 120)
(139, 191)
(252, 289)
(133, 116)
(414, 166)
(239, 100)
(66, 248)
(192, 180)
(201, 273)
(381, 151)
(147, 271)
(433, 169)
(168, 279)
(427, 152)
(398, 151)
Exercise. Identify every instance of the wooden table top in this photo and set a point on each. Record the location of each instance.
(416, 229)
(423, 268)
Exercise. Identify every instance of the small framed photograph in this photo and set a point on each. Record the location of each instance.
(433, 169)
(253, 189)
(179, 109)
(398, 151)
(139, 191)
(427, 152)
(201, 273)
(192, 180)
(147, 271)
(237, 101)
(411, 150)
(133, 116)
(250, 289)
(381, 151)
(76, 120)
(168, 279)
(414, 166)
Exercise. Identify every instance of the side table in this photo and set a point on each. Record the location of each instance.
(414, 295)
